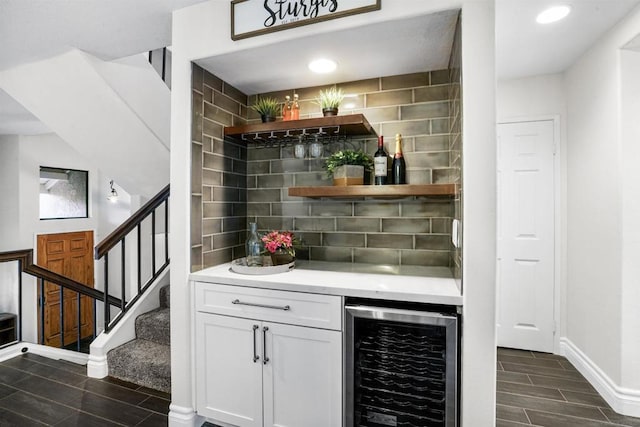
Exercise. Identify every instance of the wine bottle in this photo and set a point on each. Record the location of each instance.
(295, 108)
(253, 247)
(380, 163)
(286, 109)
(398, 167)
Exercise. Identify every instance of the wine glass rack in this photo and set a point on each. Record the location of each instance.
(327, 130)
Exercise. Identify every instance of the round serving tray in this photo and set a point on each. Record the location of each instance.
(240, 266)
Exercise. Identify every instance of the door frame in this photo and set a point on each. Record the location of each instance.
(35, 297)
(559, 222)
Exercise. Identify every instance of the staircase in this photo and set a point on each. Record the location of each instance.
(117, 111)
(146, 360)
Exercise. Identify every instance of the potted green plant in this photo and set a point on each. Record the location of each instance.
(268, 108)
(280, 245)
(347, 167)
(329, 100)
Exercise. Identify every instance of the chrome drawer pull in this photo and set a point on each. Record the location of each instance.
(276, 307)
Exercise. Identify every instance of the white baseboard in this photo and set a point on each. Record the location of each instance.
(97, 366)
(42, 350)
(57, 353)
(180, 416)
(623, 400)
(12, 351)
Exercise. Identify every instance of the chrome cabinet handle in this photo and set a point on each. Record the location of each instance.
(255, 354)
(276, 307)
(265, 359)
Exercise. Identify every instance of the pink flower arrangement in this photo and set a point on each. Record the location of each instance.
(275, 240)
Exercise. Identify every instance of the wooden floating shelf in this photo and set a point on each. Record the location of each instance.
(382, 191)
(349, 125)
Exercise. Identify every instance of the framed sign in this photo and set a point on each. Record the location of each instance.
(251, 18)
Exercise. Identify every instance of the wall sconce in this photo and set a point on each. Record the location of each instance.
(113, 194)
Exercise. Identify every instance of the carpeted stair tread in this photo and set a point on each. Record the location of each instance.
(154, 326)
(165, 296)
(142, 362)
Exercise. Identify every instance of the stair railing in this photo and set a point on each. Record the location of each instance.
(134, 225)
(160, 59)
(132, 229)
(24, 257)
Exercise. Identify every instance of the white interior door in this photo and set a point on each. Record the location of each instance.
(525, 264)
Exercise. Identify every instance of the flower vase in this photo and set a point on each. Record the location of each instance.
(280, 257)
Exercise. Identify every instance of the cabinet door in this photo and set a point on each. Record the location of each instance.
(228, 379)
(302, 377)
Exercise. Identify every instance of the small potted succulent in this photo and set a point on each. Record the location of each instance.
(268, 108)
(329, 100)
(347, 167)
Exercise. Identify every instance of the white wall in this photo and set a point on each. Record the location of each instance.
(630, 194)
(479, 214)
(20, 161)
(201, 31)
(601, 219)
(140, 86)
(531, 97)
(9, 184)
(49, 150)
(68, 94)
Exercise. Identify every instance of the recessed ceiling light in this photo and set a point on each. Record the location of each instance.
(553, 14)
(322, 66)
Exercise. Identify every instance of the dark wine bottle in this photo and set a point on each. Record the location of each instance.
(380, 164)
(398, 167)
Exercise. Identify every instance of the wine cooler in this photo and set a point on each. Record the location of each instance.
(400, 367)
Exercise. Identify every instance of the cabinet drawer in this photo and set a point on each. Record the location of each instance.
(318, 311)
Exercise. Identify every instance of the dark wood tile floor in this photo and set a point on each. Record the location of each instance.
(543, 389)
(533, 389)
(37, 391)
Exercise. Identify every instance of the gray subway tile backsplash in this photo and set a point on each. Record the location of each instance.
(376, 256)
(376, 209)
(331, 253)
(370, 225)
(389, 98)
(332, 209)
(315, 224)
(407, 128)
(352, 240)
(241, 184)
(211, 128)
(293, 209)
(406, 225)
(426, 258)
(433, 241)
(394, 241)
(405, 81)
(258, 209)
(268, 223)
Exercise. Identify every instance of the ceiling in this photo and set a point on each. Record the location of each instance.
(381, 49)
(36, 29)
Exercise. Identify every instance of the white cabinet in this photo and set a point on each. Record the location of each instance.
(253, 371)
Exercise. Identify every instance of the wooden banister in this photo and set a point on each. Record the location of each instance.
(25, 256)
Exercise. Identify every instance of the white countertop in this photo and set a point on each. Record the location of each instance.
(433, 285)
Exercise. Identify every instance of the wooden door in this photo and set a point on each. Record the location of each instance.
(69, 254)
(525, 267)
